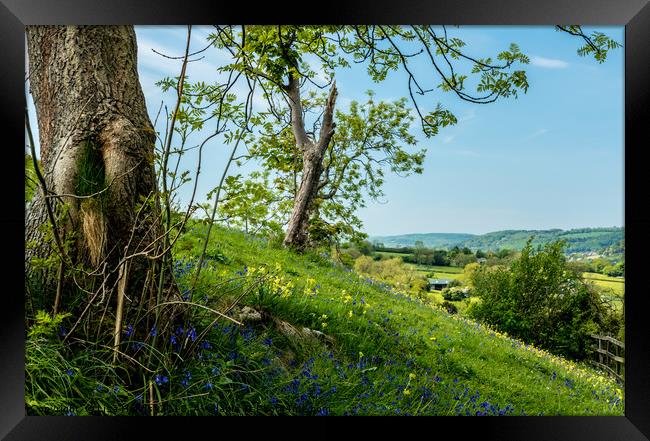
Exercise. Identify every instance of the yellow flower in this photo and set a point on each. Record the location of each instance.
(432, 338)
(360, 354)
(412, 376)
(324, 316)
(407, 392)
(350, 314)
(324, 325)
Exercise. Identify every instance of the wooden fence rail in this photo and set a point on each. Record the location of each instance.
(609, 355)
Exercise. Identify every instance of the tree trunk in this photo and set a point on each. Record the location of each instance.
(312, 155)
(95, 137)
(296, 236)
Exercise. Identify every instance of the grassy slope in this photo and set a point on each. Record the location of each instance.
(401, 355)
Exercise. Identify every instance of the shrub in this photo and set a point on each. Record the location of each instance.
(541, 300)
(455, 294)
(450, 307)
(392, 271)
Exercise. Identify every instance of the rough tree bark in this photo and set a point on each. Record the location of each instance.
(91, 115)
(313, 152)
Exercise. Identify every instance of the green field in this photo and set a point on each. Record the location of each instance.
(441, 272)
(615, 285)
(612, 288)
(391, 254)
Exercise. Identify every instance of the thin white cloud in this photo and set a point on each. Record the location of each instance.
(548, 63)
(536, 133)
(466, 152)
(470, 114)
(448, 139)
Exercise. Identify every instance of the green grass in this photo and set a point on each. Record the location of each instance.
(393, 354)
(614, 285)
(391, 254)
(612, 288)
(381, 352)
(446, 272)
(441, 272)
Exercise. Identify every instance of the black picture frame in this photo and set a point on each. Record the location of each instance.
(633, 14)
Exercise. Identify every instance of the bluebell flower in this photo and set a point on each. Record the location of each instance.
(268, 341)
(129, 331)
(554, 376)
(69, 372)
(116, 389)
(192, 333)
(323, 412)
(273, 401)
(153, 331)
(302, 400)
(208, 385)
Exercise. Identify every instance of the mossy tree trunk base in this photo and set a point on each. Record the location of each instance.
(96, 153)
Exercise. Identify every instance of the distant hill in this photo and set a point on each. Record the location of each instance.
(430, 240)
(581, 240)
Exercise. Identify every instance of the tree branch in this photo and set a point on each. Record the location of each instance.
(327, 128)
(297, 122)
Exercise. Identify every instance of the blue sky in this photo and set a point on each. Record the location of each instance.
(553, 158)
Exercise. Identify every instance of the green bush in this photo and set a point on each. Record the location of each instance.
(450, 307)
(455, 294)
(541, 300)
